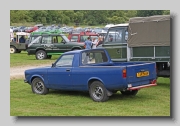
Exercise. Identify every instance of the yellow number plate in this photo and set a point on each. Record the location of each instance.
(142, 74)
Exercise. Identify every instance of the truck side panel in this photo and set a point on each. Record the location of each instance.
(111, 79)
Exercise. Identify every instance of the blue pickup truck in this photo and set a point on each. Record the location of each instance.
(94, 72)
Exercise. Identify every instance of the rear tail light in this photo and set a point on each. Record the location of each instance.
(153, 82)
(124, 73)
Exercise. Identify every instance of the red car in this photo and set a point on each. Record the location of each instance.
(81, 37)
(31, 29)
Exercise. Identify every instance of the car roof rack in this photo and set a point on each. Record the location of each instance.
(56, 31)
(83, 33)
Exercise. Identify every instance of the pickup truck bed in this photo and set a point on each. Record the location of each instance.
(99, 75)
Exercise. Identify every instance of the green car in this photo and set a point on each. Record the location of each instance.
(46, 45)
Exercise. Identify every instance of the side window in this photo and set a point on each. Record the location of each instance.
(115, 35)
(65, 60)
(93, 57)
(46, 40)
(126, 35)
(74, 39)
(83, 38)
(55, 39)
(60, 39)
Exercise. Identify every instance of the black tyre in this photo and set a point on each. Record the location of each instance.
(98, 92)
(49, 56)
(18, 51)
(41, 55)
(12, 49)
(114, 91)
(131, 92)
(38, 87)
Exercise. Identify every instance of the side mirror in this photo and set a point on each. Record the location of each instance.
(52, 65)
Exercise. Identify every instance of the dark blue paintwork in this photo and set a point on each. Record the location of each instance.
(79, 76)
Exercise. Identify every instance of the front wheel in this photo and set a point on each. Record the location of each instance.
(131, 92)
(38, 87)
(12, 49)
(41, 55)
(98, 92)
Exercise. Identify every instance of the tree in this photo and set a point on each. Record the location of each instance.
(145, 13)
(65, 20)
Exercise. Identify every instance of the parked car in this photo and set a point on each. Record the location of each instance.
(81, 36)
(31, 29)
(16, 46)
(51, 43)
(21, 29)
(92, 71)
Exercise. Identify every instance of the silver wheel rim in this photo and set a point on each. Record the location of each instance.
(12, 50)
(39, 87)
(40, 55)
(98, 92)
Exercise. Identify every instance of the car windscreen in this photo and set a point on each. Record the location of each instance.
(65, 38)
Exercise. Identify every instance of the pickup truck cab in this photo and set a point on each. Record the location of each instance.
(92, 71)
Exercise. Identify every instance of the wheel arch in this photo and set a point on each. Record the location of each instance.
(109, 93)
(36, 76)
(92, 80)
(78, 48)
(12, 46)
(40, 49)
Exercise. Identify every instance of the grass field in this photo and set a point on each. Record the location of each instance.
(153, 101)
(22, 59)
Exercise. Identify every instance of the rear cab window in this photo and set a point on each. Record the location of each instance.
(93, 57)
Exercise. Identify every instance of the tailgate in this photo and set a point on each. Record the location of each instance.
(141, 72)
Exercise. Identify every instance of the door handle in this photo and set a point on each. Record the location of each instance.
(68, 70)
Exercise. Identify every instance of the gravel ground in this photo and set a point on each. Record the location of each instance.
(18, 72)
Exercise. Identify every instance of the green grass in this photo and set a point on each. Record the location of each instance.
(22, 59)
(153, 101)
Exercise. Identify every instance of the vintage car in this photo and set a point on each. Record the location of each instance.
(16, 46)
(92, 71)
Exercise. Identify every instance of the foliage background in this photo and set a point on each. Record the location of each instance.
(82, 17)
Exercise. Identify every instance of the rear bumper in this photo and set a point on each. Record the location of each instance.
(142, 86)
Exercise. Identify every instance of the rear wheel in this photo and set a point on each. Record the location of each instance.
(98, 92)
(131, 92)
(12, 49)
(41, 55)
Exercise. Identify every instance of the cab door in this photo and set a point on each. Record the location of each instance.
(59, 44)
(47, 44)
(59, 76)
